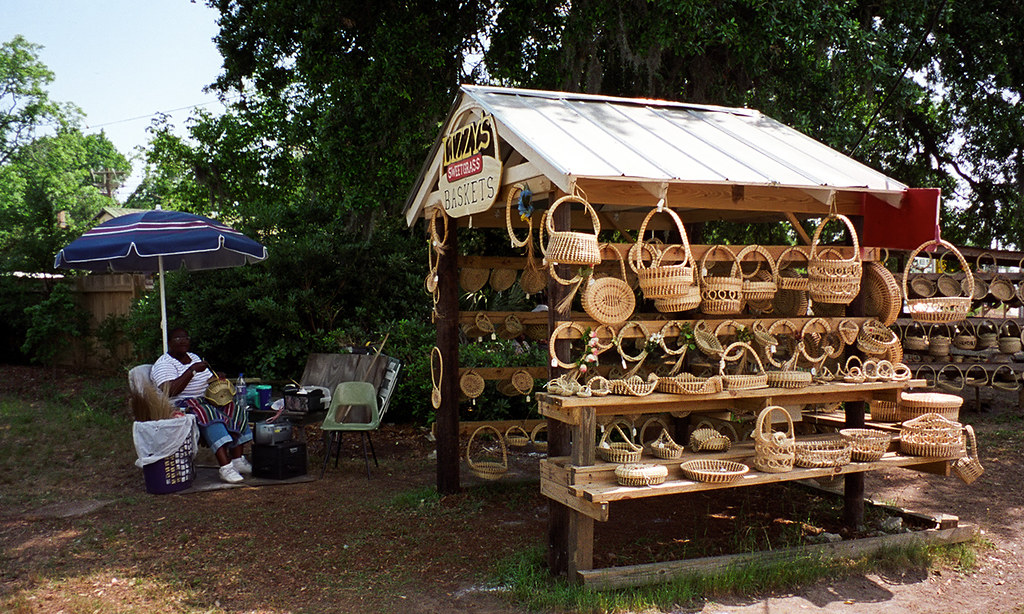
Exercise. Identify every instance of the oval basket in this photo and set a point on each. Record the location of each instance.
(608, 300)
(774, 451)
(939, 309)
(570, 247)
(686, 383)
(867, 445)
(789, 277)
(882, 296)
(517, 437)
(713, 471)
(624, 451)
(757, 287)
(640, 474)
(824, 451)
(884, 411)
(931, 435)
(969, 468)
(721, 295)
(486, 468)
(707, 439)
(833, 279)
(742, 381)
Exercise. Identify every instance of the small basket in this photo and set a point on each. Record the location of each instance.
(915, 337)
(471, 384)
(884, 411)
(939, 309)
(517, 437)
(502, 279)
(665, 447)
(754, 287)
(1009, 341)
(988, 335)
(1009, 382)
(721, 295)
(674, 286)
(473, 279)
(480, 328)
(914, 404)
(965, 337)
(824, 451)
(634, 385)
(640, 474)
(833, 279)
(875, 338)
(931, 435)
(624, 451)
(538, 437)
(511, 327)
(608, 300)
(707, 342)
(686, 383)
(939, 340)
(774, 451)
(867, 445)
(713, 471)
(487, 468)
(790, 278)
(742, 381)
(707, 439)
(570, 247)
(969, 467)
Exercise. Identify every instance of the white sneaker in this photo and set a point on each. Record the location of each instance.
(229, 474)
(241, 465)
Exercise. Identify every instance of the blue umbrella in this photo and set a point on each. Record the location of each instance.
(158, 240)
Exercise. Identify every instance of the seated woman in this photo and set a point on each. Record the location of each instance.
(183, 376)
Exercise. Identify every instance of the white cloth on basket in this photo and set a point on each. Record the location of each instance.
(158, 439)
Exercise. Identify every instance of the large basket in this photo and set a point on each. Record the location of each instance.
(914, 404)
(931, 435)
(713, 471)
(882, 296)
(673, 286)
(571, 247)
(867, 444)
(755, 287)
(833, 279)
(969, 467)
(774, 451)
(608, 300)
(822, 451)
(624, 451)
(171, 473)
(640, 474)
(939, 309)
(487, 468)
(721, 295)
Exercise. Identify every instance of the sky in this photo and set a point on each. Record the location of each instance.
(122, 61)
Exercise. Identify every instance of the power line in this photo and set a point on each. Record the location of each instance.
(191, 106)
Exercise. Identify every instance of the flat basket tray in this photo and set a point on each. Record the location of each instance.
(713, 471)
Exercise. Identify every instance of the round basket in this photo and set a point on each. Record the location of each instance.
(823, 451)
(570, 247)
(965, 337)
(742, 381)
(665, 447)
(517, 437)
(538, 437)
(975, 375)
(1009, 339)
(486, 467)
(969, 468)
(914, 404)
(884, 411)
(481, 327)
(608, 300)
(977, 291)
(833, 279)
(721, 295)
(867, 445)
(988, 335)
(774, 451)
(707, 439)
(789, 302)
(875, 338)
(673, 285)
(882, 296)
(754, 287)
(939, 309)
(502, 279)
(1002, 289)
(713, 471)
(939, 340)
(471, 384)
(624, 451)
(931, 435)
(640, 474)
(921, 286)
(789, 379)
(473, 279)
(789, 277)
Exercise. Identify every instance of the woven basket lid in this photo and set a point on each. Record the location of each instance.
(473, 279)
(502, 279)
(472, 384)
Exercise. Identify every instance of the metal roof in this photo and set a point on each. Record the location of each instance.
(579, 136)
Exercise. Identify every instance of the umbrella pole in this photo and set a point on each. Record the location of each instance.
(163, 301)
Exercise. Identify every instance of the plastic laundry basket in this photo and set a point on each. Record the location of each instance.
(171, 473)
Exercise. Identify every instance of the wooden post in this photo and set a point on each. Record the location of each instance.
(447, 418)
(853, 484)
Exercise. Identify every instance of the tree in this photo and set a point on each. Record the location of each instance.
(25, 105)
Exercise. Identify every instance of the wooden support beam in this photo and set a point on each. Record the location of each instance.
(799, 228)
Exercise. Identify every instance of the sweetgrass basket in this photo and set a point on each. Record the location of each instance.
(931, 435)
(640, 474)
(687, 383)
(608, 300)
(822, 451)
(882, 296)
(939, 308)
(969, 467)
(707, 439)
(789, 277)
(624, 451)
(915, 404)
(485, 465)
(721, 294)
(757, 288)
(713, 471)
(774, 451)
(571, 247)
(834, 279)
(674, 286)
(884, 411)
(867, 445)
(742, 381)
(517, 437)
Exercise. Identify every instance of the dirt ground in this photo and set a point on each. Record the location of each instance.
(348, 544)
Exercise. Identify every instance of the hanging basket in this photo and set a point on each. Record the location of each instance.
(473, 279)
(721, 295)
(706, 341)
(867, 445)
(931, 435)
(822, 451)
(471, 384)
(674, 285)
(915, 337)
(790, 277)
(965, 336)
(570, 247)
(969, 468)
(486, 466)
(757, 288)
(1004, 378)
(480, 328)
(882, 296)
(624, 451)
(517, 437)
(774, 451)
(608, 300)
(833, 279)
(939, 309)
(502, 279)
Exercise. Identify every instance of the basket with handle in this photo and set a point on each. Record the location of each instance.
(931, 435)
(921, 286)
(640, 474)
(939, 309)
(713, 471)
(1009, 339)
(774, 451)
(915, 337)
(608, 300)
(511, 327)
(875, 338)
(517, 437)
(705, 438)
(883, 298)
(968, 468)
(674, 284)
(789, 277)
(707, 342)
(867, 445)
(486, 466)
(1002, 289)
(1004, 378)
(721, 295)
(568, 246)
(947, 284)
(988, 335)
(687, 383)
(742, 381)
(663, 446)
(471, 384)
(965, 337)
(623, 451)
(940, 338)
(834, 279)
(538, 437)
(975, 375)
(950, 378)
(481, 327)
(822, 451)
(755, 288)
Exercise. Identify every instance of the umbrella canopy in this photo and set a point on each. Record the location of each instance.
(158, 240)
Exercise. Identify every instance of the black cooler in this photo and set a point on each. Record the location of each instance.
(279, 461)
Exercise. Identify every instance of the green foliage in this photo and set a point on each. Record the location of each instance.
(23, 96)
(54, 325)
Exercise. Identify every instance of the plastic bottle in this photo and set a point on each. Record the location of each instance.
(241, 400)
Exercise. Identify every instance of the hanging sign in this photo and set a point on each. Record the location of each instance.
(471, 168)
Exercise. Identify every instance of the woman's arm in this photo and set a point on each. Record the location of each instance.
(174, 387)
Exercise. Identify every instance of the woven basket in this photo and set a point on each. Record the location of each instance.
(823, 451)
(757, 288)
(965, 337)
(471, 384)
(867, 445)
(517, 437)
(686, 383)
(533, 279)
(473, 279)
(921, 286)
(882, 296)
(884, 411)
(673, 285)
(481, 327)
(972, 378)
(789, 379)
(663, 446)
(1009, 340)
(486, 467)
(538, 437)
(706, 341)
(939, 340)
(742, 381)
(707, 439)
(774, 451)
(988, 335)
(833, 279)
(875, 338)
(713, 471)
(721, 295)
(436, 376)
(608, 300)
(788, 302)
(640, 474)
(624, 451)
(931, 435)
(634, 385)
(914, 404)
(570, 247)
(789, 277)
(848, 330)
(949, 285)
(1008, 382)
(969, 467)
(511, 327)
(950, 378)
(939, 308)
(1002, 289)
(502, 279)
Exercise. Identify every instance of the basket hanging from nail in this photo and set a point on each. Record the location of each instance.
(834, 279)
(673, 284)
(568, 246)
(721, 294)
(757, 288)
(939, 309)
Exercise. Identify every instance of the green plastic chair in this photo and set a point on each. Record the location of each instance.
(348, 395)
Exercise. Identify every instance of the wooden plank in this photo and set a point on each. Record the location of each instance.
(654, 322)
(581, 544)
(655, 573)
(560, 493)
(503, 373)
(466, 427)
